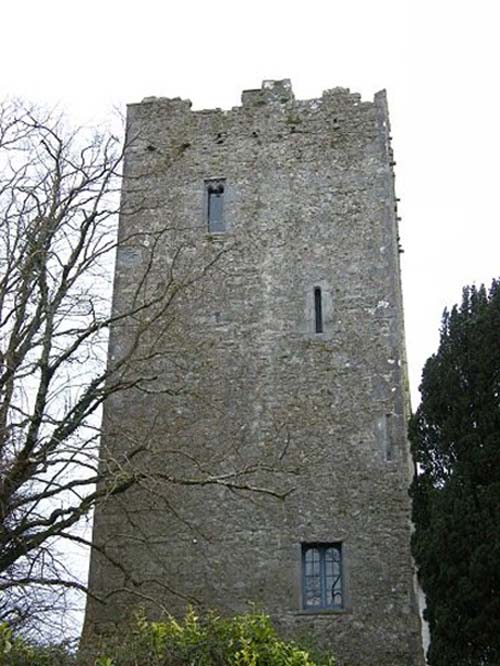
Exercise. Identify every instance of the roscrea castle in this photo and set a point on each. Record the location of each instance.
(271, 401)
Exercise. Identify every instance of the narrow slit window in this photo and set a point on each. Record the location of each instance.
(215, 201)
(318, 310)
(388, 438)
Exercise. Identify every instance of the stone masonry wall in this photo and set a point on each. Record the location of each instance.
(244, 387)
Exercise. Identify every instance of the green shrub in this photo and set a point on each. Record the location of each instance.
(14, 651)
(244, 640)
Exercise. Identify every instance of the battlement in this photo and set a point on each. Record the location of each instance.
(278, 93)
(270, 91)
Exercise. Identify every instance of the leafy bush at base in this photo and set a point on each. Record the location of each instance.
(244, 640)
(14, 651)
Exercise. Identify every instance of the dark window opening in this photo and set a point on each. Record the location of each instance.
(215, 200)
(318, 310)
(388, 438)
(322, 576)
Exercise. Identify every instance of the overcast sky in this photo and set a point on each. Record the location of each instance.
(438, 60)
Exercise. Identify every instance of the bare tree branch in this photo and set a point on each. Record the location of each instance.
(59, 202)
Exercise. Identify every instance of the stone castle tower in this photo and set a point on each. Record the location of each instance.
(270, 414)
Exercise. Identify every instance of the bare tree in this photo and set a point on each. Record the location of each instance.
(59, 194)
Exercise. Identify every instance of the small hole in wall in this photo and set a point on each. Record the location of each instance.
(220, 138)
(150, 147)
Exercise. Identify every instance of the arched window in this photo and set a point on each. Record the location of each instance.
(322, 575)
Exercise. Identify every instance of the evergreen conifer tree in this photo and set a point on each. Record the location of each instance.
(455, 438)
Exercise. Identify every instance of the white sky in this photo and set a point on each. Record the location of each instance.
(438, 60)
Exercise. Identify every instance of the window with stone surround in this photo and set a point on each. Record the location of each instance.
(322, 576)
(215, 205)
